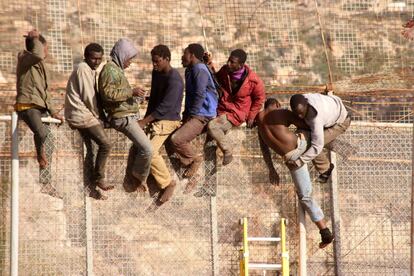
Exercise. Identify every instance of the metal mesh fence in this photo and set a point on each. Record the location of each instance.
(5, 178)
(282, 37)
(52, 230)
(374, 187)
(198, 233)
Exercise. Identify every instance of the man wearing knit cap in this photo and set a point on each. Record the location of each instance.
(121, 103)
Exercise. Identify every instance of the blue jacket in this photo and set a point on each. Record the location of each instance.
(201, 96)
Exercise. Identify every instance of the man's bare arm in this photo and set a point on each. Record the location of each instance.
(267, 157)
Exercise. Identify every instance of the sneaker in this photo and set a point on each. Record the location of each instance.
(103, 186)
(326, 237)
(192, 169)
(227, 158)
(323, 177)
(167, 192)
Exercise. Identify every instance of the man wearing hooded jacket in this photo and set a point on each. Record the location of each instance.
(121, 103)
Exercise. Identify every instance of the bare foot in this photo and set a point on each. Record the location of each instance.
(104, 186)
(42, 159)
(130, 184)
(190, 186)
(227, 158)
(94, 193)
(141, 188)
(50, 190)
(168, 192)
(192, 169)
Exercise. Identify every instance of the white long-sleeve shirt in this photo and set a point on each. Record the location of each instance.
(329, 111)
(81, 108)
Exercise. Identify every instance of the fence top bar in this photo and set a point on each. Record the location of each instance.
(353, 123)
(5, 117)
(381, 124)
(265, 266)
(45, 119)
(264, 239)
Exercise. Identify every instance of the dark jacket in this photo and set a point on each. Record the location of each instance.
(166, 96)
(32, 78)
(244, 104)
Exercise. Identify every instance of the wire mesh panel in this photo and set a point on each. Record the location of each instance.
(198, 233)
(52, 213)
(282, 38)
(375, 192)
(5, 178)
(133, 236)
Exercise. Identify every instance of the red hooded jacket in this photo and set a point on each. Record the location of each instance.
(246, 103)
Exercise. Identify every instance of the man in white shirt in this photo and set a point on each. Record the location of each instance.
(326, 117)
(83, 112)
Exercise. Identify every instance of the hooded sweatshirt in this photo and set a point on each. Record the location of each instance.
(114, 88)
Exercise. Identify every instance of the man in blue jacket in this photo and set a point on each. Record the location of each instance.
(200, 107)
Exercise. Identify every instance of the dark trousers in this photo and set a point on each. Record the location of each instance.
(182, 137)
(43, 138)
(95, 160)
(33, 118)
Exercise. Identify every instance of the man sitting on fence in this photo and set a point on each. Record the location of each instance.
(200, 107)
(83, 112)
(273, 126)
(326, 117)
(33, 100)
(121, 103)
(163, 115)
(242, 97)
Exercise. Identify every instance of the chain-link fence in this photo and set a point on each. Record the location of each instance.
(199, 233)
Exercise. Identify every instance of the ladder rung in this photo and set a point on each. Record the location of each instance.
(264, 239)
(265, 266)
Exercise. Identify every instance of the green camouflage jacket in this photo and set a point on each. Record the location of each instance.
(115, 92)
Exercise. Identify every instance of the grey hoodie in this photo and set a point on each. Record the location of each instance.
(123, 50)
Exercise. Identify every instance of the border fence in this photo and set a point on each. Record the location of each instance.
(198, 233)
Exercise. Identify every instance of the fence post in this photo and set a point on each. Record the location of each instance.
(412, 203)
(214, 235)
(14, 246)
(302, 241)
(89, 237)
(335, 217)
(88, 220)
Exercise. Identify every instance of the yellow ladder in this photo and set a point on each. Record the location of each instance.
(245, 265)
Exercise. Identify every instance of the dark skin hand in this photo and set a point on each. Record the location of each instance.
(144, 122)
(59, 117)
(250, 123)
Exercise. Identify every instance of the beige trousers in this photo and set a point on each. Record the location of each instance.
(159, 132)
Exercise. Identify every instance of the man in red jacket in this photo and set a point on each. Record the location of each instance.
(242, 97)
